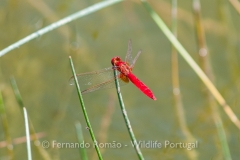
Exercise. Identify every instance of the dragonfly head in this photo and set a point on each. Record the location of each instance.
(115, 60)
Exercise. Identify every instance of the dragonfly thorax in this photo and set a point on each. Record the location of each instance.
(122, 67)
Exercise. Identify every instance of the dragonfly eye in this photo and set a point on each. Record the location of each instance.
(115, 60)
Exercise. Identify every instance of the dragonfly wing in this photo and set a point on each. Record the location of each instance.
(103, 85)
(135, 59)
(128, 57)
(129, 60)
(96, 80)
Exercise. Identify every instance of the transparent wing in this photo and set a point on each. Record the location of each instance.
(135, 59)
(128, 57)
(96, 80)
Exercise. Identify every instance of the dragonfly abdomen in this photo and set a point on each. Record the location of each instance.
(140, 85)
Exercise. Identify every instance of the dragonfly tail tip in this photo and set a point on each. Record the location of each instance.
(154, 98)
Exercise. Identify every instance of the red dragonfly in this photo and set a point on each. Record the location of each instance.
(105, 78)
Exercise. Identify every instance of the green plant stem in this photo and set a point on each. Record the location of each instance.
(175, 75)
(59, 23)
(84, 110)
(79, 133)
(125, 116)
(27, 134)
(105, 124)
(231, 43)
(205, 64)
(37, 143)
(236, 5)
(188, 137)
(193, 64)
(8, 139)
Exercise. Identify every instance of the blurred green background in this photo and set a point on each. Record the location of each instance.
(41, 69)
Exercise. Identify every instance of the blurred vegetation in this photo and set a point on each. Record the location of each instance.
(41, 69)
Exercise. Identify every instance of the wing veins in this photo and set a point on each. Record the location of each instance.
(97, 86)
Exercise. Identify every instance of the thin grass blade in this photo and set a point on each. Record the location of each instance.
(80, 138)
(37, 143)
(16, 92)
(177, 96)
(192, 64)
(236, 5)
(206, 66)
(84, 110)
(127, 121)
(7, 135)
(28, 141)
(59, 23)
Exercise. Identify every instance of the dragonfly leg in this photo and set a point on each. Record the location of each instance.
(114, 67)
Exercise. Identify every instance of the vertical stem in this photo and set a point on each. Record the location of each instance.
(105, 123)
(82, 151)
(231, 42)
(175, 77)
(84, 110)
(27, 134)
(205, 65)
(182, 51)
(18, 96)
(6, 129)
(127, 122)
(176, 87)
